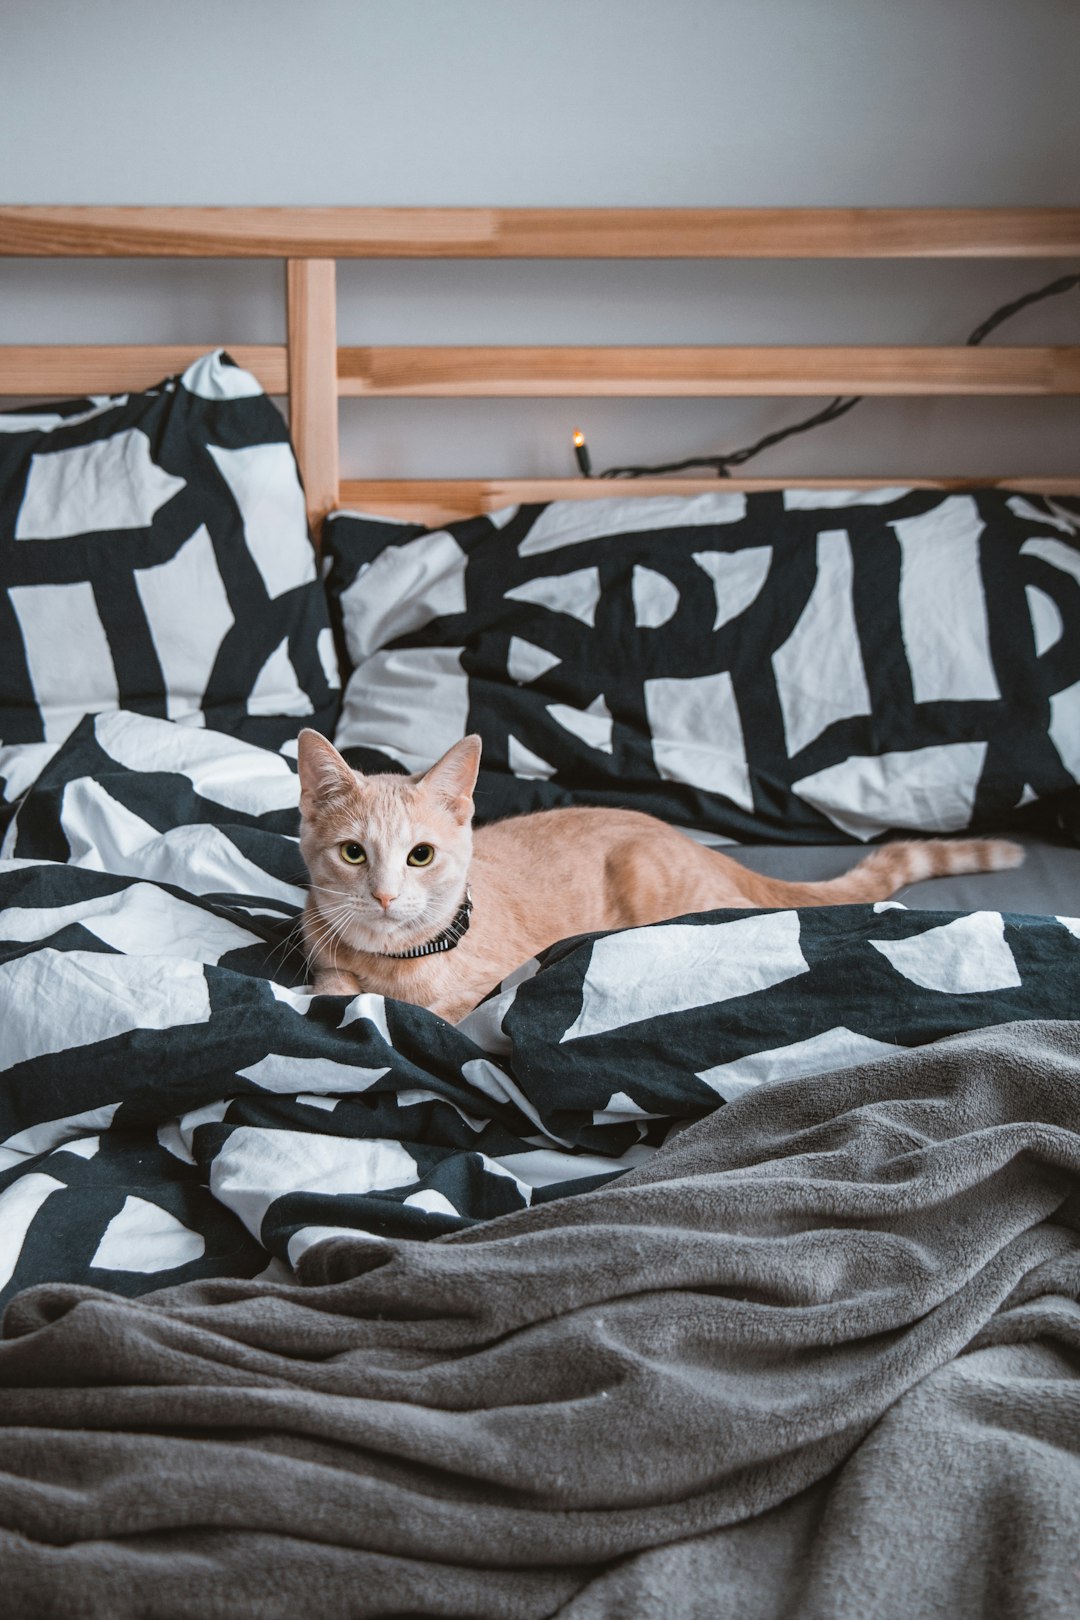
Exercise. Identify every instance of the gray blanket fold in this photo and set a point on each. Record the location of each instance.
(818, 1357)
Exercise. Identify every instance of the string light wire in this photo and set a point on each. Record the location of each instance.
(836, 408)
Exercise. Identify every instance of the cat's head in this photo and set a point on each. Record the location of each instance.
(388, 856)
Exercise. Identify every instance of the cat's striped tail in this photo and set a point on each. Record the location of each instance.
(890, 868)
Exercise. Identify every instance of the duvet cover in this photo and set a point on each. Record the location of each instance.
(175, 1104)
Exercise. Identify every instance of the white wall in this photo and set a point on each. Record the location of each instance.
(529, 102)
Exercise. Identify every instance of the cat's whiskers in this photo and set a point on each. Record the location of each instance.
(335, 923)
(360, 902)
(367, 910)
(328, 932)
(294, 939)
(343, 914)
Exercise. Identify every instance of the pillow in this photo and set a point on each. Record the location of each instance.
(803, 666)
(154, 556)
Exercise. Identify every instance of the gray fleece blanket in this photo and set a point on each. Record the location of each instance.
(817, 1358)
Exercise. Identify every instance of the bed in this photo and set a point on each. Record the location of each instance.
(727, 1265)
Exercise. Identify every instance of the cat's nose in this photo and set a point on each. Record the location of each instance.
(383, 899)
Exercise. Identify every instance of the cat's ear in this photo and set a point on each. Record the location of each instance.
(453, 777)
(323, 773)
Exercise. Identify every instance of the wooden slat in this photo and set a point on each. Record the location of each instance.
(459, 372)
(435, 500)
(313, 407)
(54, 369)
(453, 372)
(540, 233)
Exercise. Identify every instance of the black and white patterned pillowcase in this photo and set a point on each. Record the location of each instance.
(806, 666)
(155, 556)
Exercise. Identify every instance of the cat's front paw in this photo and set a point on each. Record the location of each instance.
(335, 982)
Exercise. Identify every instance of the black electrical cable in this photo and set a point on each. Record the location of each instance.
(836, 408)
(1063, 284)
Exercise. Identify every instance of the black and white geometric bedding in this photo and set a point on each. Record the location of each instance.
(154, 555)
(799, 666)
(174, 1104)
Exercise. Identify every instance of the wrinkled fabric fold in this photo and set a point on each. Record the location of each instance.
(821, 1353)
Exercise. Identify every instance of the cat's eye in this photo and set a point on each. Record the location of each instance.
(353, 853)
(421, 855)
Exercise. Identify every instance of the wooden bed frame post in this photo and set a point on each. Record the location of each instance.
(313, 384)
(317, 374)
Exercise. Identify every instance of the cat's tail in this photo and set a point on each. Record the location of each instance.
(887, 869)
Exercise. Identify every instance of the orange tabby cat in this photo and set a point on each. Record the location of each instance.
(396, 870)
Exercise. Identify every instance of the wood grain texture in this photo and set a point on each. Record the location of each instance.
(56, 369)
(622, 372)
(313, 408)
(434, 501)
(310, 239)
(540, 233)
(462, 372)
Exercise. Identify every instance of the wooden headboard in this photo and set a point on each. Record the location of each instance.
(316, 373)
